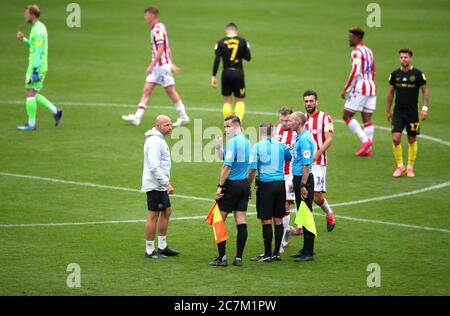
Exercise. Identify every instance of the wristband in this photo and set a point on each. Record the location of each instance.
(424, 108)
(220, 186)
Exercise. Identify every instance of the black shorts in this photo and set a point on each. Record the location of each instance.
(158, 201)
(233, 82)
(271, 200)
(410, 121)
(235, 196)
(309, 187)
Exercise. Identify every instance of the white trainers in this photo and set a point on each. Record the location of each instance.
(182, 121)
(131, 118)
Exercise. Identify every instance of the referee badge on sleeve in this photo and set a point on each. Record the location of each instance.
(229, 154)
(306, 153)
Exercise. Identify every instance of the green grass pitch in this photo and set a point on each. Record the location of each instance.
(96, 74)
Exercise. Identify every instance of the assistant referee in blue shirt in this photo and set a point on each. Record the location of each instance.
(268, 157)
(303, 178)
(233, 189)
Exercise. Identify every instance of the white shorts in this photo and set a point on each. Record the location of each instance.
(290, 196)
(361, 103)
(320, 174)
(161, 75)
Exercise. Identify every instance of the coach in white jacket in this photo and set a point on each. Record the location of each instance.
(155, 182)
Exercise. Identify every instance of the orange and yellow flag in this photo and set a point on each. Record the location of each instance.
(214, 218)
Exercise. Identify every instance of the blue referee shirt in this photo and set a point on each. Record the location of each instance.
(268, 157)
(237, 156)
(303, 152)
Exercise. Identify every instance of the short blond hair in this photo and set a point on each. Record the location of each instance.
(33, 9)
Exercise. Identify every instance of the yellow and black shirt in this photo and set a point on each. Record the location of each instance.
(232, 50)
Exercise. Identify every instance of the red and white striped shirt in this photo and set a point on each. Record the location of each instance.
(318, 126)
(158, 36)
(362, 77)
(286, 136)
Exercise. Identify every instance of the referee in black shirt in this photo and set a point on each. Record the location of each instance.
(405, 83)
(232, 49)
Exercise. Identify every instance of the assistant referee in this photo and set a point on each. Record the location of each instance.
(268, 157)
(233, 189)
(303, 178)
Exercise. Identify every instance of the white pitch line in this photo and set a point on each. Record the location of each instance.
(95, 185)
(207, 109)
(90, 184)
(394, 196)
(202, 217)
(373, 221)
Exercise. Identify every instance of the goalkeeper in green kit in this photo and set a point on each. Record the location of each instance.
(37, 68)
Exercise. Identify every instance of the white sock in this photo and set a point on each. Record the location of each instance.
(326, 208)
(180, 108)
(140, 110)
(369, 131)
(162, 242)
(149, 246)
(356, 129)
(32, 121)
(286, 220)
(52, 108)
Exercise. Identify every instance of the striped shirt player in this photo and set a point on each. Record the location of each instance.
(162, 71)
(360, 91)
(287, 136)
(320, 125)
(361, 81)
(159, 72)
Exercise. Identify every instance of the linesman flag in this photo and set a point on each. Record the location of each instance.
(305, 218)
(214, 218)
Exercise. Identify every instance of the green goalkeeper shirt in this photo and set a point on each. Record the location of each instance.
(38, 47)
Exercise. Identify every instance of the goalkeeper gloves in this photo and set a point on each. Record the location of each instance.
(35, 75)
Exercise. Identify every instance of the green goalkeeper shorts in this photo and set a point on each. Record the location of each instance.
(37, 85)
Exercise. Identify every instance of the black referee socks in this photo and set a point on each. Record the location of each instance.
(241, 239)
(267, 236)
(279, 230)
(221, 248)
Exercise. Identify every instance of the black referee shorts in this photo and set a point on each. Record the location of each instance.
(235, 196)
(271, 200)
(309, 186)
(409, 121)
(158, 201)
(233, 82)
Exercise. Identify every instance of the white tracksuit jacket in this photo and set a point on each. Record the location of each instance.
(157, 163)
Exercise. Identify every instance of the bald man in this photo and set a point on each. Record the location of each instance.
(155, 182)
(303, 181)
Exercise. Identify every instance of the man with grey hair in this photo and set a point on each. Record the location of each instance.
(303, 183)
(269, 157)
(155, 182)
